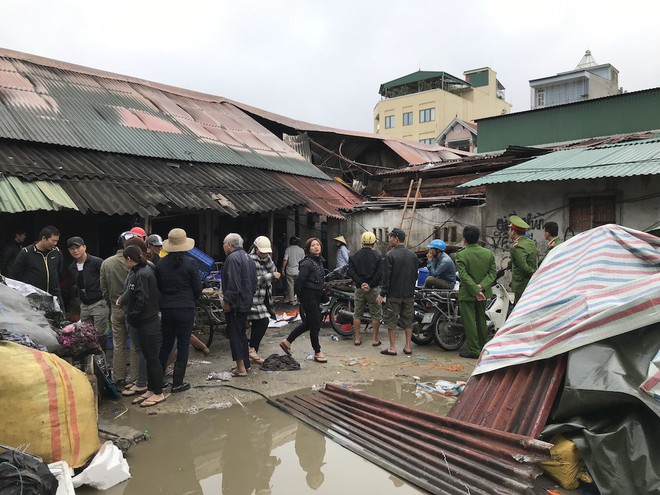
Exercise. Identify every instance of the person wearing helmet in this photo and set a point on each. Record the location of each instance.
(154, 246)
(442, 271)
(365, 268)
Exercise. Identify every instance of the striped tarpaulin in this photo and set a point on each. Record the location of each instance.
(598, 284)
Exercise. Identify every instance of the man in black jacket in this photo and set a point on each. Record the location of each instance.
(365, 268)
(239, 283)
(85, 271)
(41, 264)
(399, 278)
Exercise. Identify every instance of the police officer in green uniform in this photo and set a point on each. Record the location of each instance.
(523, 258)
(476, 268)
(550, 232)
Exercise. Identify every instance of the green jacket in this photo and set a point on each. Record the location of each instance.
(523, 263)
(554, 243)
(476, 266)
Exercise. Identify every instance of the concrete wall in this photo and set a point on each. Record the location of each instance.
(638, 206)
(424, 223)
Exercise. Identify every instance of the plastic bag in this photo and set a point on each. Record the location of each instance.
(23, 474)
(107, 469)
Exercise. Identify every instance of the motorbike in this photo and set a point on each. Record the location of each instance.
(448, 330)
(340, 305)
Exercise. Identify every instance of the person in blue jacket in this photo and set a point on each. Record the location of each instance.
(442, 271)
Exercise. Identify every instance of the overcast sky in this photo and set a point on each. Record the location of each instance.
(323, 61)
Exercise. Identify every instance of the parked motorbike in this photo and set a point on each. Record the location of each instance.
(448, 330)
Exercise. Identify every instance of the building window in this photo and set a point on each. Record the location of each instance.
(407, 118)
(592, 211)
(427, 115)
(540, 97)
(389, 121)
(427, 141)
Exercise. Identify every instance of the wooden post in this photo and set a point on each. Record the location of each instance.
(405, 205)
(412, 216)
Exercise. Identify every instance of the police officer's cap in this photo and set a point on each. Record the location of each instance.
(518, 224)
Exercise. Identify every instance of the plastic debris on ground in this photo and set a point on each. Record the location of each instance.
(441, 387)
(63, 474)
(283, 319)
(107, 469)
(224, 376)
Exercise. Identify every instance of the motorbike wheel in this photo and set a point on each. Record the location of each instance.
(345, 329)
(447, 336)
(422, 336)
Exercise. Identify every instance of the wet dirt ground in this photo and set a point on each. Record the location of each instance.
(216, 440)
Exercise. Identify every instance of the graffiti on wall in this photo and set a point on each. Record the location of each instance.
(500, 235)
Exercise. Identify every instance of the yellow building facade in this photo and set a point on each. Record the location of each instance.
(420, 105)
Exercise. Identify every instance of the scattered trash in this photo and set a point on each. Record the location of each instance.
(199, 362)
(423, 358)
(63, 474)
(318, 386)
(310, 357)
(224, 376)
(416, 378)
(442, 387)
(219, 405)
(107, 469)
(277, 362)
(334, 337)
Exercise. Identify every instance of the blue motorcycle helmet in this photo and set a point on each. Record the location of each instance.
(438, 244)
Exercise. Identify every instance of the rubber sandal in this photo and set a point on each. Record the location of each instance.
(140, 399)
(376, 344)
(236, 374)
(320, 359)
(357, 342)
(387, 352)
(133, 391)
(407, 352)
(150, 403)
(285, 348)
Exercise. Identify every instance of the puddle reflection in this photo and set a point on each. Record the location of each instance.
(256, 449)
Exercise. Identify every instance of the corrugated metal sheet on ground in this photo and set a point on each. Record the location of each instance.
(516, 399)
(18, 195)
(323, 197)
(598, 284)
(118, 184)
(613, 160)
(438, 454)
(53, 102)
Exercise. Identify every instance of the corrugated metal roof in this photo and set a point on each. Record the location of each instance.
(516, 399)
(614, 160)
(52, 102)
(119, 184)
(323, 197)
(421, 75)
(411, 151)
(439, 454)
(18, 195)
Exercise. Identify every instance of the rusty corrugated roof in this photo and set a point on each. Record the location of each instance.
(516, 399)
(326, 198)
(49, 101)
(439, 454)
(118, 184)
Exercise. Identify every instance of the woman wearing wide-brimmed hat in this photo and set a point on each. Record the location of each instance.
(179, 284)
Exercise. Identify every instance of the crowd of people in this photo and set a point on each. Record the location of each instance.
(147, 292)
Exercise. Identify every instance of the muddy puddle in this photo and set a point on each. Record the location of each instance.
(255, 448)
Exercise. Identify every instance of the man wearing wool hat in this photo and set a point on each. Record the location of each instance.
(523, 258)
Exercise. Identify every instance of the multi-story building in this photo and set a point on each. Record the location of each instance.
(420, 105)
(587, 81)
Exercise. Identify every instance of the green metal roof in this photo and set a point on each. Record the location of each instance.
(18, 195)
(421, 75)
(619, 114)
(47, 101)
(628, 159)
